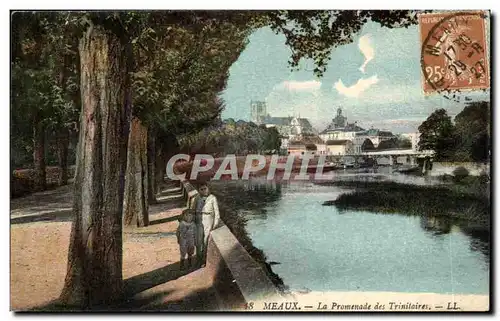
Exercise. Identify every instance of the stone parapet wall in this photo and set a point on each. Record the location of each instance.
(237, 278)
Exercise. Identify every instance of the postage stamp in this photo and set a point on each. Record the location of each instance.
(454, 51)
(274, 161)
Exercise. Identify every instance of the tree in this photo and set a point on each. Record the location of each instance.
(403, 143)
(394, 143)
(45, 89)
(135, 205)
(175, 90)
(438, 134)
(197, 49)
(94, 276)
(473, 132)
(271, 139)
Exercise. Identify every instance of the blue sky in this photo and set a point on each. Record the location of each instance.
(387, 95)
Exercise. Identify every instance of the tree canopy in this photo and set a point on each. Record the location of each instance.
(468, 139)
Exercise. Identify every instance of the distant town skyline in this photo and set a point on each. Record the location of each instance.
(376, 80)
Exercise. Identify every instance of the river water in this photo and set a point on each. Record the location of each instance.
(319, 248)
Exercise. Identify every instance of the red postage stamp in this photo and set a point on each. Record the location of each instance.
(454, 51)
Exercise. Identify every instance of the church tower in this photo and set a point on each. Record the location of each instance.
(339, 121)
(257, 111)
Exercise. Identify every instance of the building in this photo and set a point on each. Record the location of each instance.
(301, 148)
(289, 126)
(258, 111)
(340, 129)
(375, 135)
(306, 143)
(321, 149)
(339, 147)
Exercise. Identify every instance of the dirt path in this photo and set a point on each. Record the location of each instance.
(153, 280)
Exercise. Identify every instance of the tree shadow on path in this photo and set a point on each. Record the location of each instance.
(200, 300)
(64, 215)
(165, 220)
(142, 282)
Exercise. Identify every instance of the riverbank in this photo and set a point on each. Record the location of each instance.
(228, 202)
(450, 200)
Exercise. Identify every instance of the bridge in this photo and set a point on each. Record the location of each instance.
(391, 154)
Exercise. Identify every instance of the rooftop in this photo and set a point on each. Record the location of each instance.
(375, 132)
(338, 142)
(348, 128)
(286, 121)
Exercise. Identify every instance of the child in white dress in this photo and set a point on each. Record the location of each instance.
(186, 233)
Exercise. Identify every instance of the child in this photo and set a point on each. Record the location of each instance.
(186, 233)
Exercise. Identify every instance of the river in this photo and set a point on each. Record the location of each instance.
(319, 248)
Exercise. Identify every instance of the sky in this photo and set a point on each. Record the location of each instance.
(376, 80)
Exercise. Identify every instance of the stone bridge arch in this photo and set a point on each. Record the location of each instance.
(367, 145)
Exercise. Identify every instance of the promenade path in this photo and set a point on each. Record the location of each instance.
(39, 234)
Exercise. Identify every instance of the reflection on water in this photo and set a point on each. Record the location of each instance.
(319, 249)
(479, 236)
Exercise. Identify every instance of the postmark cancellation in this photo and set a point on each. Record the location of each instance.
(454, 51)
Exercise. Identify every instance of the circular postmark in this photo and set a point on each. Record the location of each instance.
(454, 53)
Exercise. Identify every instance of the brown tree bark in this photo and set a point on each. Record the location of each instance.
(135, 204)
(39, 153)
(94, 273)
(151, 166)
(62, 155)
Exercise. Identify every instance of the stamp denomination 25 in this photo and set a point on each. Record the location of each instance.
(454, 52)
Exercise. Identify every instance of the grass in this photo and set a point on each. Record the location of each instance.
(453, 201)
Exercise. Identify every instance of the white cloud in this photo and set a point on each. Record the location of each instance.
(292, 85)
(356, 89)
(366, 49)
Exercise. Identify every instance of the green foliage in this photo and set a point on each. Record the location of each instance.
(181, 61)
(313, 34)
(44, 80)
(177, 88)
(233, 138)
(394, 143)
(466, 140)
(473, 132)
(454, 201)
(438, 134)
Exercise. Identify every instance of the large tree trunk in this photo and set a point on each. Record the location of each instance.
(151, 166)
(135, 205)
(39, 153)
(94, 274)
(62, 155)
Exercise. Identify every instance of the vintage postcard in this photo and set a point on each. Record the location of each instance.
(276, 161)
